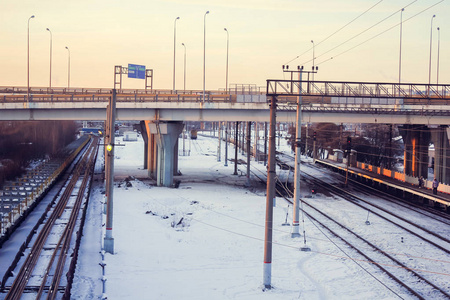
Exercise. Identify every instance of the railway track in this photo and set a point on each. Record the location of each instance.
(412, 281)
(434, 214)
(53, 246)
(442, 218)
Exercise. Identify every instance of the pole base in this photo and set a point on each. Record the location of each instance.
(266, 288)
(295, 234)
(305, 248)
(108, 244)
(285, 224)
(267, 276)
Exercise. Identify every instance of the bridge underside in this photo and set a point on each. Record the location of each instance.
(310, 114)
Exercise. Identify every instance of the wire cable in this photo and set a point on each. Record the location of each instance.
(336, 31)
(390, 28)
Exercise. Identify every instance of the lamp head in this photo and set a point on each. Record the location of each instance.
(207, 12)
(32, 17)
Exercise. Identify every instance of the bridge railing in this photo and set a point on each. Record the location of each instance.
(75, 91)
(358, 89)
(55, 98)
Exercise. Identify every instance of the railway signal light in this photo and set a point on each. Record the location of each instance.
(349, 144)
(314, 135)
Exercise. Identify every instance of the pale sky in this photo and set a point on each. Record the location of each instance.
(264, 35)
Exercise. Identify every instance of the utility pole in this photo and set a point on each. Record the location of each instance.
(226, 144)
(390, 148)
(298, 137)
(267, 271)
(219, 133)
(349, 152)
(255, 142)
(249, 137)
(265, 143)
(243, 138)
(314, 146)
(306, 139)
(109, 240)
(236, 144)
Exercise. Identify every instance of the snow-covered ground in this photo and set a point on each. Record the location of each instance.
(205, 239)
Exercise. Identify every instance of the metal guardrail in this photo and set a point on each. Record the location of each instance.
(358, 89)
(74, 91)
(18, 196)
(9, 98)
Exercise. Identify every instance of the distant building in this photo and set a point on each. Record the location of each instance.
(130, 136)
(92, 130)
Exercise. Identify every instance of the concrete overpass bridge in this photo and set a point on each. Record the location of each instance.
(350, 102)
(163, 111)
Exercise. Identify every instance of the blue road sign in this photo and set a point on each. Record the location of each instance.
(136, 71)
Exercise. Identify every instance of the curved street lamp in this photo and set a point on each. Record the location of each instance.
(400, 55)
(184, 81)
(439, 42)
(429, 65)
(226, 77)
(51, 37)
(204, 52)
(174, 49)
(28, 59)
(68, 70)
(313, 60)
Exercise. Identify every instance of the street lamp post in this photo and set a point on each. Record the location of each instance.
(68, 70)
(51, 38)
(439, 42)
(226, 77)
(226, 92)
(313, 60)
(174, 49)
(204, 52)
(429, 65)
(400, 55)
(184, 81)
(28, 59)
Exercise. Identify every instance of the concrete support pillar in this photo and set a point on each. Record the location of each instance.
(152, 154)
(416, 139)
(145, 138)
(440, 138)
(166, 135)
(175, 157)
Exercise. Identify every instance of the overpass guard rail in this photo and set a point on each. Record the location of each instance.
(406, 91)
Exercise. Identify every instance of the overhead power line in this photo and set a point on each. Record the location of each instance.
(365, 30)
(335, 32)
(390, 28)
